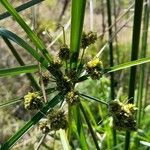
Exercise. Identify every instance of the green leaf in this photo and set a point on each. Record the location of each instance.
(14, 101)
(79, 125)
(33, 82)
(90, 127)
(21, 8)
(9, 35)
(77, 19)
(128, 64)
(18, 70)
(33, 121)
(33, 37)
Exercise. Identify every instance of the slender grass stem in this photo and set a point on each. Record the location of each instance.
(93, 98)
(134, 56)
(91, 14)
(40, 142)
(111, 57)
(113, 36)
(64, 36)
(115, 28)
(90, 127)
(117, 20)
(34, 11)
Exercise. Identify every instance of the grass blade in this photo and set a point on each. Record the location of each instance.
(14, 101)
(20, 61)
(90, 127)
(21, 8)
(9, 35)
(79, 125)
(18, 70)
(77, 19)
(33, 37)
(128, 64)
(33, 121)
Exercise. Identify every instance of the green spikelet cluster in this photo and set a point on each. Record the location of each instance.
(44, 126)
(64, 52)
(88, 39)
(64, 84)
(33, 101)
(94, 68)
(123, 115)
(57, 120)
(72, 97)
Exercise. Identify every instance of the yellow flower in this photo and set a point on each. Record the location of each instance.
(94, 63)
(33, 101)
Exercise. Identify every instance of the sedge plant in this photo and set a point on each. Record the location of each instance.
(67, 112)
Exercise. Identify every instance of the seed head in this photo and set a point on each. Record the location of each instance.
(72, 97)
(123, 115)
(44, 126)
(64, 84)
(94, 68)
(88, 39)
(55, 65)
(57, 120)
(33, 101)
(64, 53)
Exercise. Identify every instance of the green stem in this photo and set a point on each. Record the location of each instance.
(143, 55)
(93, 98)
(90, 127)
(134, 56)
(111, 62)
(77, 19)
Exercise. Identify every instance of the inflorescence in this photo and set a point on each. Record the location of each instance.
(65, 79)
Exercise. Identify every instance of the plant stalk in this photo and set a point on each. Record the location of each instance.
(90, 127)
(112, 95)
(143, 55)
(134, 55)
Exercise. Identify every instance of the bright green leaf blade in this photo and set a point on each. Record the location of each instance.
(89, 113)
(128, 64)
(21, 8)
(79, 125)
(33, 37)
(22, 43)
(33, 121)
(18, 70)
(77, 19)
